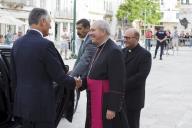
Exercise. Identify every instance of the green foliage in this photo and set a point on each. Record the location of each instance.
(135, 9)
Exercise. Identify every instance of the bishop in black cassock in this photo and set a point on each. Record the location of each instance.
(105, 82)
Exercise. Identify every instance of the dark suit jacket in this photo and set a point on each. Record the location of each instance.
(35, 64)
(138, 65)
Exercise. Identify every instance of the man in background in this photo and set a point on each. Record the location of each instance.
(161, 40)
(86, 50)
(64, 43)
(148, 37)
(138, 65)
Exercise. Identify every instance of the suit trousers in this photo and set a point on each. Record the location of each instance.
(133, 118)
(29, 124)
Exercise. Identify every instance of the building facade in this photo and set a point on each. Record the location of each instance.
(11, 11)
(99, 10)
(61, 12)
(185, 15)
(169, 14)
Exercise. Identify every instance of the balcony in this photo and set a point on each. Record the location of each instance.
(17, 4)
(12, 4)
(65, 13)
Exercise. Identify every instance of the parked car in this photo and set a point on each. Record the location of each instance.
(6, 98)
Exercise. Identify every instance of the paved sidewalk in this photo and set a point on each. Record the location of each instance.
(168, 94)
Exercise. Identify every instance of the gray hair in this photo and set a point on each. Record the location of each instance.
(103, 26)
(36, 15)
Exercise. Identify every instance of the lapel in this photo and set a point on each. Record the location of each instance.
(129, 55)
(84, 44)
(82, 47)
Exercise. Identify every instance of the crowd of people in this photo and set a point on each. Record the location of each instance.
(167, 40)
(10, 37)
(114, 78)
(184, 38)
(115, 96)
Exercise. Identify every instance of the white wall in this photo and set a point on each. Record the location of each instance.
(186, 12)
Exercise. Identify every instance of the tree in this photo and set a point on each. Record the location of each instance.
(136, 9)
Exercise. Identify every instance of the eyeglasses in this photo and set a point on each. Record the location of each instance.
(128, 38)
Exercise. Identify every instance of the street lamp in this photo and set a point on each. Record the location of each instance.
(74, 23)
(144, 22)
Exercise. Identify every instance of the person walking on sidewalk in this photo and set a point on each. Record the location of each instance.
(161, 40)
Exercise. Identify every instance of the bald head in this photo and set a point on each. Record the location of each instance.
(134, 32)
(131, 37)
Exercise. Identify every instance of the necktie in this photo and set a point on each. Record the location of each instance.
(81, 48)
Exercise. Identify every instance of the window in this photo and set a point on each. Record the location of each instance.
(104, 4)
(29, 2)
(186, 2)
(177, 15)
(65, 25)
(162, 15)
(43, 3)
(162, 2)
(110, 6)
(58, 3)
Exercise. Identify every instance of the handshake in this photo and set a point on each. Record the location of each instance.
(78, 82)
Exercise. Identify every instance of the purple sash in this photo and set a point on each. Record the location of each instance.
(97, 88)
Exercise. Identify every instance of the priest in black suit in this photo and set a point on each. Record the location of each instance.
(138, 65)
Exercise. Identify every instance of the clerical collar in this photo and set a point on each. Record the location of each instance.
(133, 49)
(37, 31)
(102, 43)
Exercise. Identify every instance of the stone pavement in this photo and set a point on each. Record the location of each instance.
(168, 94)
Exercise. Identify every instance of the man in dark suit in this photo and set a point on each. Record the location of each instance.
(86, 50)
(35, 64)
(138, 65)
(85, 54)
